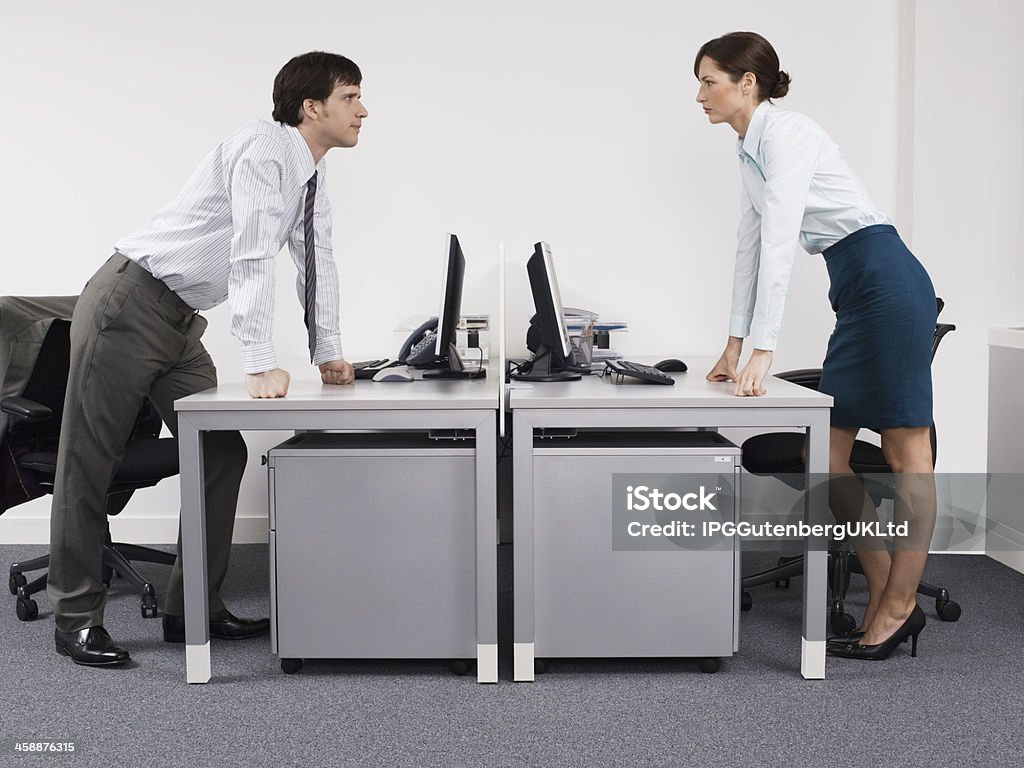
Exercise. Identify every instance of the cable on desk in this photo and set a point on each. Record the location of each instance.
(479, 361)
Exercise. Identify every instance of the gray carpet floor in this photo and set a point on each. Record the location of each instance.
(959, 703)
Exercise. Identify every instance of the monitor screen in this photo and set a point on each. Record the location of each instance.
(547, 299)
(451, 295)
(441, 357)
(548, 336)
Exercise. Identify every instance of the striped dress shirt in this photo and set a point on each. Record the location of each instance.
(797, 188)
(218, 239)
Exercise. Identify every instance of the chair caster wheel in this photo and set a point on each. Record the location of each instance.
(149, 607)
(291, 666)
(709, 666)
(746, 601)
(540, 666)
(27, 608)
(784, 583)
(842, 623)
(460, 667)
(16, 580)
(948, 610)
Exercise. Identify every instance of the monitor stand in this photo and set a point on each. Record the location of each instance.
(542, 370)
(454, 368)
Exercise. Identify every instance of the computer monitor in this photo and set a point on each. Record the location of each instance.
(547, 338)
(446, 362)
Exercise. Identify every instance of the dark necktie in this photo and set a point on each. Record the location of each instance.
(307, 223)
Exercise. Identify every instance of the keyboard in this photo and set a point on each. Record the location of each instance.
(367, 369)
(646, 373)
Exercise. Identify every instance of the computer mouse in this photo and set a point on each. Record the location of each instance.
(671, 365)
(398, 373)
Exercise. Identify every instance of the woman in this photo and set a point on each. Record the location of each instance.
(796, 187)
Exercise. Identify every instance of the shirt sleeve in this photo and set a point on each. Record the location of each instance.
(257, 209)
(744, 280)
(328, 296)
(790, 158)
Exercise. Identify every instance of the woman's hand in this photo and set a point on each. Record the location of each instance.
(725, 368)
(751, 379)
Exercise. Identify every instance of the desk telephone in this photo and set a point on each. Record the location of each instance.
(418, 349)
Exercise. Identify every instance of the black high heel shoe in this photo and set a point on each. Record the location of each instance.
(910, 628)
(839, 641)
(853, 634)
(851, 638)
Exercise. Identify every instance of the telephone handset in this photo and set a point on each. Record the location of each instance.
(418, 349)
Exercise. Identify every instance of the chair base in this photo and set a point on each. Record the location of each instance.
(842, 563)
(116, 561)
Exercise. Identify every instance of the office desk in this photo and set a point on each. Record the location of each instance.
(693, 402)
(416, 406)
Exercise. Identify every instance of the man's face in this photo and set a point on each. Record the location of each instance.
(340, 117)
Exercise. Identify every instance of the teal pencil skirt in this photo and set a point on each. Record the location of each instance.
(878, 364)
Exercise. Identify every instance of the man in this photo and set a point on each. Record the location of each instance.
(136, 333)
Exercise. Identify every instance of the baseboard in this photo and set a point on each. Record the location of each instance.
(138, 530)
(937, 552)
(1014, 560)
(1005, 544)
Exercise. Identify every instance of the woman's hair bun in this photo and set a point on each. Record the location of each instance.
(781, 87)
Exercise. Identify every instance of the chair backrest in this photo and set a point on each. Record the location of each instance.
(49, 382)
(48, 386)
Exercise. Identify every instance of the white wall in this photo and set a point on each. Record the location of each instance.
(572, 122)
(968, 200)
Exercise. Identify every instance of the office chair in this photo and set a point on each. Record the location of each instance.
(778, 455)
(32, 440)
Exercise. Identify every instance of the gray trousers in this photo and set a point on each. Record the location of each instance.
(131, 338)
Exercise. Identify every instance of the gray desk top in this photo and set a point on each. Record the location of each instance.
(447, 394)
(691, 390)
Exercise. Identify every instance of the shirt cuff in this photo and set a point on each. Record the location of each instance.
(259, 358)
(739, 325)
(327, 349)
(762, 338)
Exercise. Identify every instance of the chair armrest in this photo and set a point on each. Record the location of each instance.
(805, 377)
(24, 409)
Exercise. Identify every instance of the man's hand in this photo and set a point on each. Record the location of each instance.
(751, 379)
(337, 372)
(725, 368)
(268, 384)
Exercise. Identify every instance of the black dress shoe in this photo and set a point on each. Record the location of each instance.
(224, 625)
(910, 628)
(90, 647)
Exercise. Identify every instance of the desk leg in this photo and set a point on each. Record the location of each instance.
(193, 552)
(812, 662)
(522, 547)
(486, 552)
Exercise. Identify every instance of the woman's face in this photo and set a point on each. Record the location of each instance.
(723, 100)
